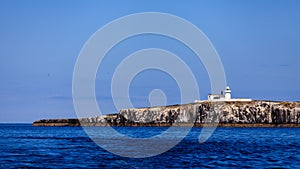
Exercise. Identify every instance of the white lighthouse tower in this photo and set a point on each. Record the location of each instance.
(224, 96)
(227, 93)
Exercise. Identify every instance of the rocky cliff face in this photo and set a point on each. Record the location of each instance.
(254, 113)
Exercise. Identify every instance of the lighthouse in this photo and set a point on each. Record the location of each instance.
(224, 96)
(227, 93)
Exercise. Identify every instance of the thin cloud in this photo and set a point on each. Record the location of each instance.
(57, 97)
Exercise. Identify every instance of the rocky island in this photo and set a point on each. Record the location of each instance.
(226, 114)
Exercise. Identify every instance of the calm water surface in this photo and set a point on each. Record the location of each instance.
(65, 147)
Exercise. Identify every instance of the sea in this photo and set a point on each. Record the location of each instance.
(25, 146)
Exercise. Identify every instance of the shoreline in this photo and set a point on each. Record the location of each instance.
(226, 125)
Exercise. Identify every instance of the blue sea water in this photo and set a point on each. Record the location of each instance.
(66, 147)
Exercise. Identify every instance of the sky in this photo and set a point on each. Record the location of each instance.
(257, 41)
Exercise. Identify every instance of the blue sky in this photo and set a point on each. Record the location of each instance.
(257, 41)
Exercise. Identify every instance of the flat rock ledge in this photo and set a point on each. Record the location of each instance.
(222, 114)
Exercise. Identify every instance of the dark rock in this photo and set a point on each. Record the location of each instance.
(255, 113)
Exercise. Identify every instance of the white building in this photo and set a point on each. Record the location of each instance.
(224, 96)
